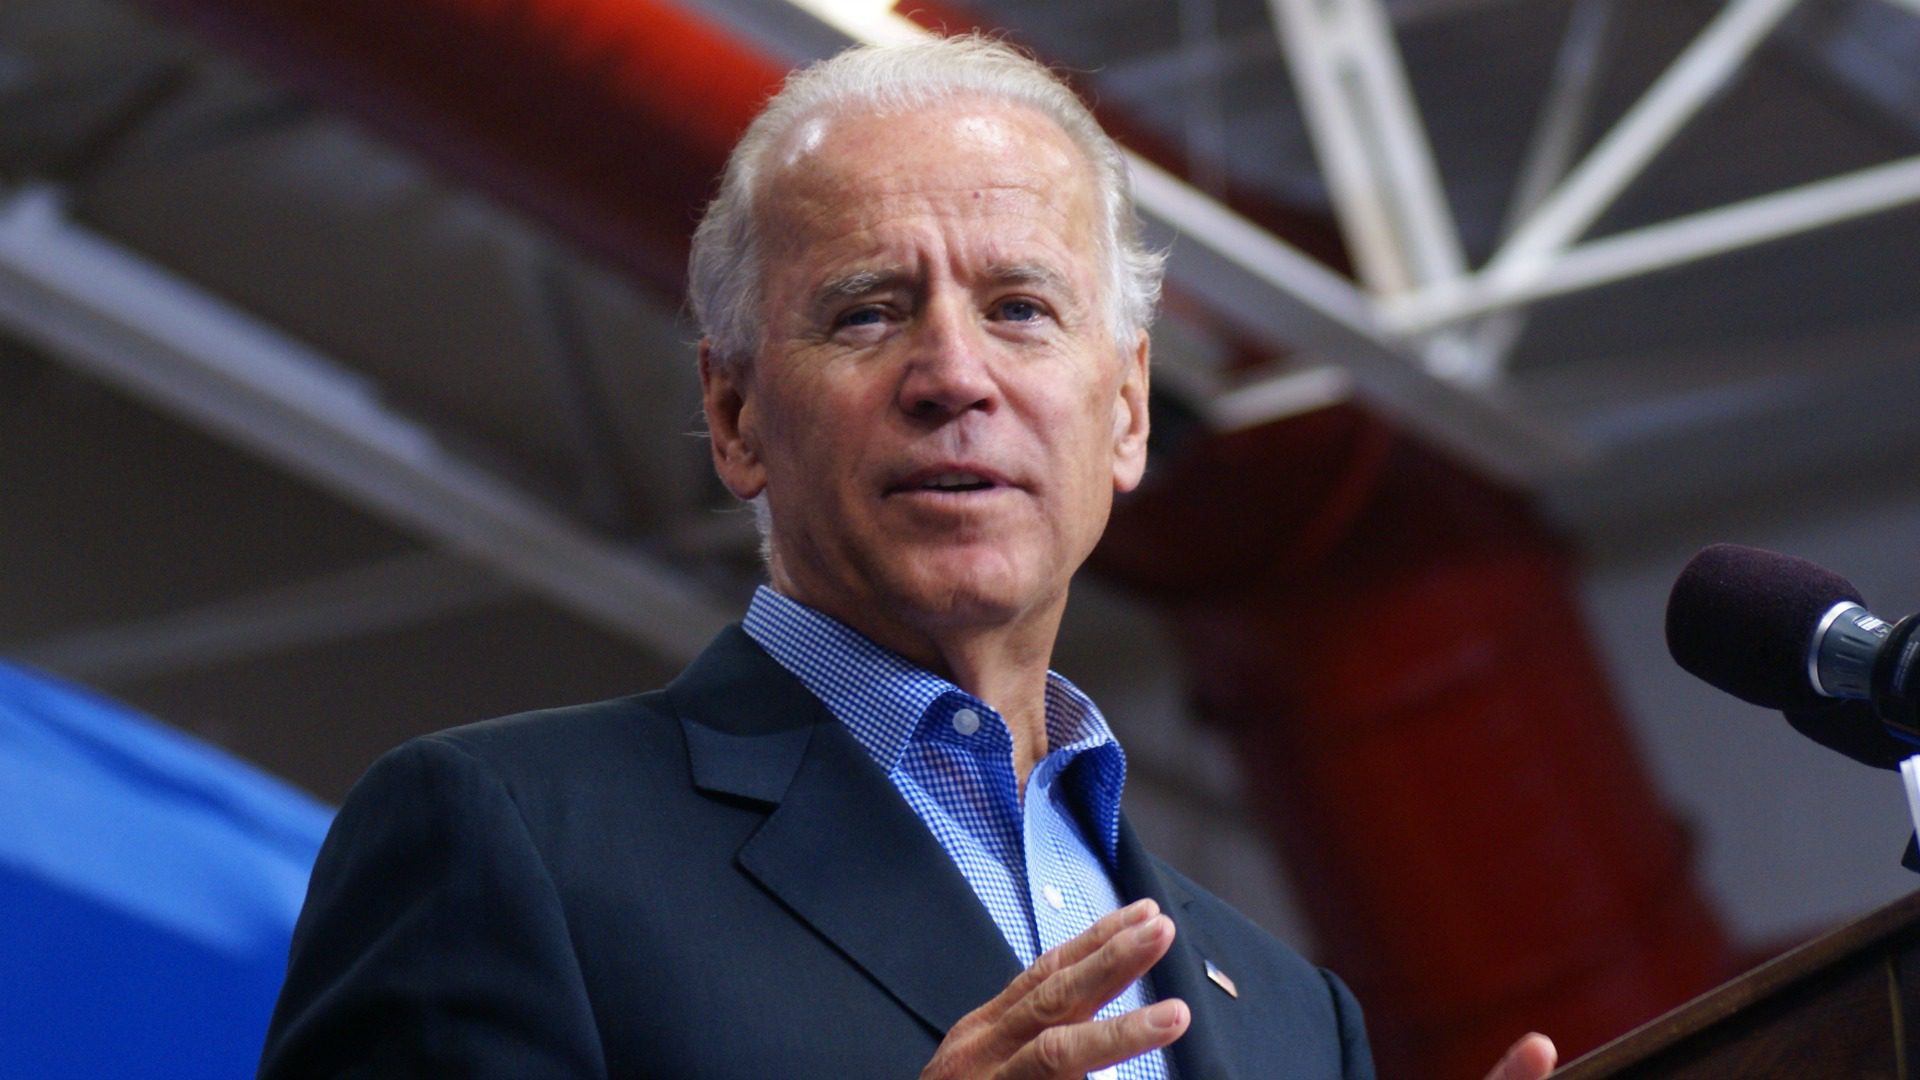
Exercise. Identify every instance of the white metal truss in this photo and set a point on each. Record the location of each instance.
(1373, 150)
(1379, 167)
(1391, 207)
(1272, 288)
(1650, 248)
(1674, 98)
(1563, 116)
(1550, 152)
(135, 326)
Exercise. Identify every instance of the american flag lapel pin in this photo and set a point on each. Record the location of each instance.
(1222, 980)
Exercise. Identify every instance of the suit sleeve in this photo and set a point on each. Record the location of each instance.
(1356, 1054)
(433, 942)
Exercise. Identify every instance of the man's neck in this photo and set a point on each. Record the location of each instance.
(1004, 663)
(1008, 672)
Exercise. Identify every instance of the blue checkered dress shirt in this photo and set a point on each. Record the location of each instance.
(1045, 870)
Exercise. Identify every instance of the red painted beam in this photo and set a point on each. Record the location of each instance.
(1396, 649)
(606, 120)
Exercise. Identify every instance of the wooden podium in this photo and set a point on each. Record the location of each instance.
(1844, 1005)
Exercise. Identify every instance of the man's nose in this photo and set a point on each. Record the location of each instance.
(948, 371)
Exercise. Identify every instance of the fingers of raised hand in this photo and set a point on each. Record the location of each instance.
(1089, 941)
(1530, 1058)
(1075, 992)
(1047, 1010)
(1073, 1050)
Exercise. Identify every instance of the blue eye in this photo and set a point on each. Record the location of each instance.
(1019, 310)
(865, 316)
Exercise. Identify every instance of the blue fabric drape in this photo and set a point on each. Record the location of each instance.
(148, 887)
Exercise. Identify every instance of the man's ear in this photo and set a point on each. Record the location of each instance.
(731, 424)
(1130, 418)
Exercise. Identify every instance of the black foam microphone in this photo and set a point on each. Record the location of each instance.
(1787, 634)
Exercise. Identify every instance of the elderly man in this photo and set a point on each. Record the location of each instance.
(867, 833)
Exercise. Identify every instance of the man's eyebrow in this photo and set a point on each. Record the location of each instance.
(1029, 274)
(864, 282)
(849, 286)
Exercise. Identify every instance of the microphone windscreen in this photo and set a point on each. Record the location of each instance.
(1851, 728)
(1743, 619)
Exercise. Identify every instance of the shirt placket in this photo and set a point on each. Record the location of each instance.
(1068, 895)
(990, 810)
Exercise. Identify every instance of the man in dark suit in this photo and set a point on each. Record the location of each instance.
(867, 833)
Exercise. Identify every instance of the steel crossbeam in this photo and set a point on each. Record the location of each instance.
(131, 324)
(400, 591)
(1624, 152)
(1871, 190)
(1373, 150)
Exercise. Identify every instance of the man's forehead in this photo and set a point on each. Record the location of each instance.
(860, 175)
(979, 125)
(975, 143)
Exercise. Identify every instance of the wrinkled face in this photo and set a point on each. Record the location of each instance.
(938, 415)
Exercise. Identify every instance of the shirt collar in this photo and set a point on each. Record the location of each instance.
(875, 692)
(881, 698)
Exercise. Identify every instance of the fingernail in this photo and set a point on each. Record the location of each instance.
(1165, 1015)
(1148, 932)
(1140, 911)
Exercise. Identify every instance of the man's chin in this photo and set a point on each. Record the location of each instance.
(971, 592)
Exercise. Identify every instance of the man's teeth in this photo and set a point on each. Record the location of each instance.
(956, 481)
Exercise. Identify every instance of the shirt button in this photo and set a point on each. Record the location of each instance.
(1053, 897)
(966, 721)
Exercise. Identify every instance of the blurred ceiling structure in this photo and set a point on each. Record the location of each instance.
(331, 409)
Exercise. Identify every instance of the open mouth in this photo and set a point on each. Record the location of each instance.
(954, 481)
(946, 480)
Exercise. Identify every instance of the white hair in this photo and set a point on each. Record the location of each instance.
(725, 274)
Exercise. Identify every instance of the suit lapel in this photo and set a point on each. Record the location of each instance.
(846, 855)
(1200, 1054)
(839, 848)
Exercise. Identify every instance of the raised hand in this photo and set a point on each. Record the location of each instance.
(1041, 1026)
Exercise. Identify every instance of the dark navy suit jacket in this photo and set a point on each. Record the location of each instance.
(709, 881)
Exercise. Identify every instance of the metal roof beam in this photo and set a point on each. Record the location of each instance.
(1550, 152)
(1275, 290)
(1872, 190)
(1372, 147)
(1623, 153)
(134, 325)
(397, 592)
